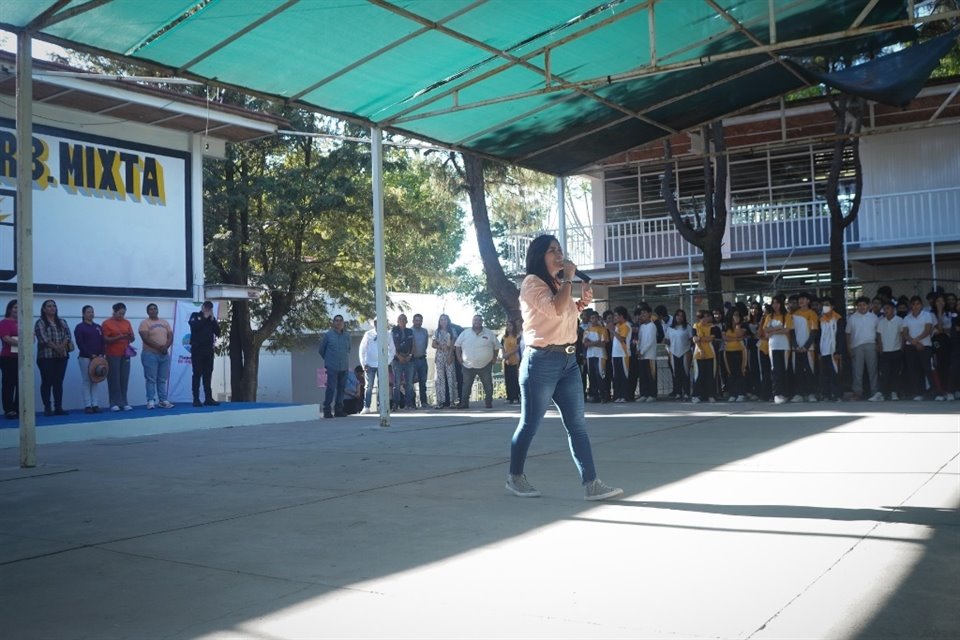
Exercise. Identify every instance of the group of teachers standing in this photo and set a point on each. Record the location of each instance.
(101, 349)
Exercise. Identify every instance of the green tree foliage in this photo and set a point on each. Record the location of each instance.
(293, 216)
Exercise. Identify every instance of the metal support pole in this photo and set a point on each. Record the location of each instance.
(380, 286)
(690, 286)
(933, 265)
(23, 218)
(562, 214)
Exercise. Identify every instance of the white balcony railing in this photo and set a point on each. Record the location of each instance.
(887, 220)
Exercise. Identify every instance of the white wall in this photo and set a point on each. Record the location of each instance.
(911, 160)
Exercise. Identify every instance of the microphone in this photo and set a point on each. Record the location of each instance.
(583, 277)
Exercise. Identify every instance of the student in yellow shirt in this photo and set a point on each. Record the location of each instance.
(595, 339)
(704, 355)
(621, 353)
(735, 356)
(806, 329)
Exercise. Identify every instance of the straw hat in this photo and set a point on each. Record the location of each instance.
(98, 369)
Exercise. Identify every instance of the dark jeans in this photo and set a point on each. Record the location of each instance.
(891, 368)
(765, 384)
(647, 374)
(736, 383)
(202, 372)
(52, 371)
(806, 383)
(918, 369)
(598, 380)
(486, 379)
(681, 376)
(830, 388)
(333, 397)
(118, 377)
(705, 386)
(403, 383)
(420, 375)
(511, 379)
(619, 379)
(778, 361)
(10, 369)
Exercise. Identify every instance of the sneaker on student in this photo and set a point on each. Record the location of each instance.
(695, 400)
(114, 408)
(596, 490)
(894, 396)
(518, 486)
(732, 399)
(127, 407)
(741, 398)
(812, 397)
(797, 398)
(918, 398)
(940, 398)
(150, 404)
(877, 397)
(165, 404)
(779, 399)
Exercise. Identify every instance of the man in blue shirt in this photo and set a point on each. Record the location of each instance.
(335, 351)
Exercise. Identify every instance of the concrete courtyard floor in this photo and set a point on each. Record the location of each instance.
(745, 521)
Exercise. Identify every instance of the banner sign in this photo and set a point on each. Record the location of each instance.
(181, 368)
(109, 216)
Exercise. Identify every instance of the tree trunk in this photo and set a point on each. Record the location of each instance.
(502, 288)
(708, 237)
(848, 113)
(239, 331)
(251, 369)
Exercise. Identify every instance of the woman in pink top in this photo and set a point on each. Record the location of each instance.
(9, 363)
(548, 370)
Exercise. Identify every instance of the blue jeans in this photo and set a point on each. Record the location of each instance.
(156, 371)
(336, 380)
(420, 373)
(403, 383)
(547, 376)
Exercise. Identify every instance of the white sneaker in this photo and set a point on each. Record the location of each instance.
(877, 397)
(894, 396)
(695, 400)
(127, 407)
(741, 398)
(779, 400)
(368, 409)
(114, 408)
(812, 397)
(797, 398)
(732, 399)
(918, 398)
(165, 404)
(651, 399)
(940, 398)
(150, 404)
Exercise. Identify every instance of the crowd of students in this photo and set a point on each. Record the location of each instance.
(794, 349)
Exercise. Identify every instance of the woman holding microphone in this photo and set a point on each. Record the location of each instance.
(548, 370)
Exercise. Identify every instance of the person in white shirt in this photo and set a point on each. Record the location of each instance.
(595, 339)
(370, 359)
(477, 350)
(890, 338)
(862, 346)
(918, 347)
(679, 337)
(647, 356)
(830, 327)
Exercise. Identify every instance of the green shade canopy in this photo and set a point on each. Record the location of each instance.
(554, 85)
